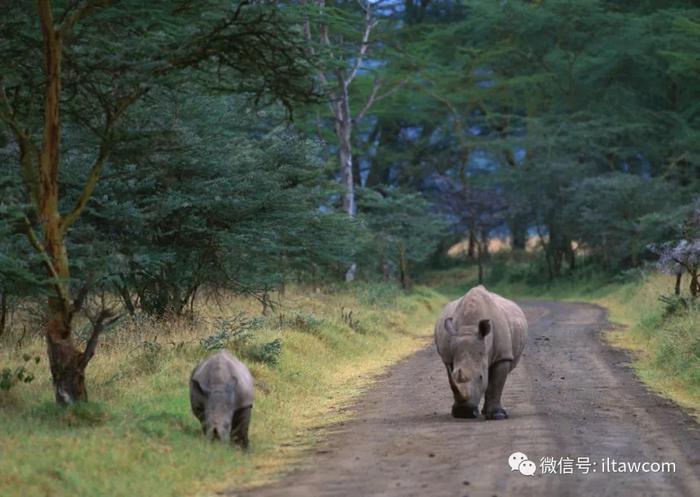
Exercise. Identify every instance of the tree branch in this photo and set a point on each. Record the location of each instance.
(374, 97)
(312, 52)
(36, 243)
(83, 10)
(28, 151)
(105, 319)
(89, 187)
(105, 146)
(369, 24)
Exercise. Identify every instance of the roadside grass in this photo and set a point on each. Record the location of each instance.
(665, 347)
(137, 436)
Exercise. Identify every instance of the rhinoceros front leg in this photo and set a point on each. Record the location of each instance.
(497, 379)
(239, 426)
(197, 403)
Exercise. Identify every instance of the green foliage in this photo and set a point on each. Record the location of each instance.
(674, 304)
(237, 331)
(267, 353)
(208, 204)
(619, 215)
(351, 321)
(403, 227)
(82, 414)
(150, 356)
(121, 62)
(10, 377)
(563, 110)
(306, 322)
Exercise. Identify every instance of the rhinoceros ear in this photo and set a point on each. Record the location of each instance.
(484, 327)
(199, 388)
(450, 327)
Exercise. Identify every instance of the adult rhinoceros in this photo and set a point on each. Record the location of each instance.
(480, 338)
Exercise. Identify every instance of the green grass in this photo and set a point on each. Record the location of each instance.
(665, 348)
(137, 436)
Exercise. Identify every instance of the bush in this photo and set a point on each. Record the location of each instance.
(673, 304)
(351, 321)
(236, 330)
(10, 377)
(305, 322)
(150, 358)
(267, 353)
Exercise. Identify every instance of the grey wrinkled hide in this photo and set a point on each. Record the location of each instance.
(221, 395)
(480, 338)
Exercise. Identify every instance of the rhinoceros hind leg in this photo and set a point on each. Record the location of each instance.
(497, 379)
(239, 426)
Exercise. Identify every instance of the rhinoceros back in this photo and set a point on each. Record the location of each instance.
(223, 367)
(512, 342)
(508, 324)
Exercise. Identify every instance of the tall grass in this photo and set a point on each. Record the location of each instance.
(137, 436)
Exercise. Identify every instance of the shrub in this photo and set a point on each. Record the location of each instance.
(10, 377)
(151, 354)
(237, 330)
(305, 322)
(267, 353)
(352, 322)
(673, 304)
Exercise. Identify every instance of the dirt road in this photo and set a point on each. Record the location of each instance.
(570, 397)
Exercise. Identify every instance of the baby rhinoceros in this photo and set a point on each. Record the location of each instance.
(221, 395)
(480, 338)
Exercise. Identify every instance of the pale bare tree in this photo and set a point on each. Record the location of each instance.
(337, 80)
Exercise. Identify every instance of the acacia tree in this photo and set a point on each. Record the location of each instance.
(474, 209)
(99, 58)
(404, 229)
(683, 255)
(331, 31)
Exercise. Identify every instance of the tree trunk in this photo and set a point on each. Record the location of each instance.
(558, 258)
(403, 268)
(480, 260)
(677, 288)
(571, 256)
(343, 128)
(315, 278)
(694, 283)
(123, 292)
(67, 363)
(634, 250)
(471, 244)
(518, 230)
(384, 268)
(3, 312)
(65, 360)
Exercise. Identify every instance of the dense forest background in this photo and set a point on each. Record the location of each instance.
(152, 152)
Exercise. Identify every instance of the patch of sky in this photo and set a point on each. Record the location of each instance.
(411, 133)
(479, 160)
(365, 167)
(484, 77)
(644, 166)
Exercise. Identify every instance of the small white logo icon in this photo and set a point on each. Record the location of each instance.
(519, 461)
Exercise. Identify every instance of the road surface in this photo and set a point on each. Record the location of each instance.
(570, 397)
